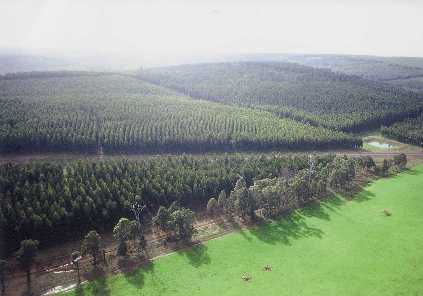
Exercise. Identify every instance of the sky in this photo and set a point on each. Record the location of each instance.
(163, 29)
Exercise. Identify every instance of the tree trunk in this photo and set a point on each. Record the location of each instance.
(79, 276)
(3, 284)
(28, 280)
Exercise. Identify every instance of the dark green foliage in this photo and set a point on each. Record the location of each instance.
(369, 67)
(342, 174)
(25, 256)
(91, 246)
(244, 201)
(182, 223)
(3, 265)
(317, 96)
(212, 206)
(117, 113)
(272, 197)
(413, 83)
(175, 220)
(122, 232)
(162, 219)
(407, 131)
(400, 160)
(53, 200)
(221, 201)
(367, 162)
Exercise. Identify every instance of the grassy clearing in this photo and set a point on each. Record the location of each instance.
(395, 146)
(336, 248)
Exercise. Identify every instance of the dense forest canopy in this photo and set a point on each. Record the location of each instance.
(49, 200)
(118, 113)
(408, 131)
(368, 67)
(413, 83)
(317, 96)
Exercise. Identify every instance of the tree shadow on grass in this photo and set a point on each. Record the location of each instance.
(196, 255)
(235, 226)
(97, 283)
(135, 276)
(283, 231)
(79, 291)
(412, 172)
(364, 195)
(100, 287)
(314, 209)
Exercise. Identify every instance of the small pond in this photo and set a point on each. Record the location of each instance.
(380, 145)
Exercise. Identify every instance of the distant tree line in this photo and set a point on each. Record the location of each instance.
(316, 96)
(285, 184)
(114, 113)
(407, 131)
(48, 200)
(49, 74)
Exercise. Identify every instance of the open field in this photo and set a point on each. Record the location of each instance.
(339, 247)
(376, 142)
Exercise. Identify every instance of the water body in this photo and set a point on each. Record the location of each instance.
(380, 145)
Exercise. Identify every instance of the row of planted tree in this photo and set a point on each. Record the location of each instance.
(265, 198)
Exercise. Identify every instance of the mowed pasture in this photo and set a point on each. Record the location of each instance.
(370, 245)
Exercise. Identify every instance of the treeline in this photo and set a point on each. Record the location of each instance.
(49, 74)
(317, 96)
(407, 131)
(368, 67)
(48, 201)
(271, 197)
(121, 114)
(291, 182)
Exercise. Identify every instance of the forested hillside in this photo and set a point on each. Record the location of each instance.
(50, 200)
(317, 96)
(408, 131)
(12, 63)
(92, 111)
(368, 67)
(414, 84)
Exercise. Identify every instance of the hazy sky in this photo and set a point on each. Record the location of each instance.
(175, 27)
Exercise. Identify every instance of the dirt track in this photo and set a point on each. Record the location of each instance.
(26, 158)
(49, 264)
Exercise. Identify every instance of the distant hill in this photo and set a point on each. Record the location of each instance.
(117, 113)
(314, 95)
(404, 72)
(12, 63)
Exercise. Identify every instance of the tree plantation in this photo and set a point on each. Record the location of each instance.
(408, 131)
(50, 200)
(118, 113)
(317, 96)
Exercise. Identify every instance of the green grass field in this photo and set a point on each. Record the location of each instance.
(338, 248)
